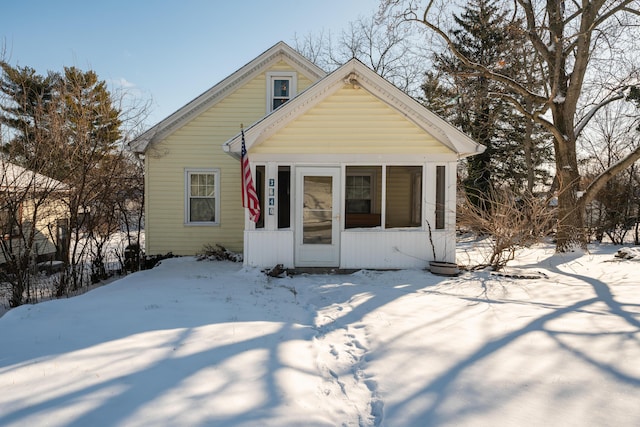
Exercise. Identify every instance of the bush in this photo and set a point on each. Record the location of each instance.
(510, 222)
(218, 253)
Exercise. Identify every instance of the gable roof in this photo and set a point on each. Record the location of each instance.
(279, 51)
(14, 178)
(359, 75)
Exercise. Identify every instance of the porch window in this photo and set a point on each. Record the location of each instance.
(260, 192)
(284, 196)
(202, 204)
(281, 87)
(362, 196)
(359, 197)
(440, 196)
(404, 196)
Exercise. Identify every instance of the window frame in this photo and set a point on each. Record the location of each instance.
(260, 181)
(291, 76)
(187, 195)
(11, 222)
(440, 197)
(416, 195)
(372, 188)
(284, 197)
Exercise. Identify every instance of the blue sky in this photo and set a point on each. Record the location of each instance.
(168, 51)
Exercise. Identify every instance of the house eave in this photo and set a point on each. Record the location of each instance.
(357, 74)
(280, 51)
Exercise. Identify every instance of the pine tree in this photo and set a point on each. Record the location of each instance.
(66, 126)
(570, 41)
(27, 113)
(91, 122)
(480, 36)
(485, 36)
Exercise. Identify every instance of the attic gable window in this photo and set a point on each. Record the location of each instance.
(281, 87)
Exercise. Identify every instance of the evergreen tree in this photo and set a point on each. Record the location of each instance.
(480, 35)
(91, 122)
(60, 125)
(570, 41)
(27, 111)
(486, 37)
(66, 126)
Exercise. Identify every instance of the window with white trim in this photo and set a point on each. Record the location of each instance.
(404, 196)
(202, 201)
(362, 196)
(281, 87)
(441, 192)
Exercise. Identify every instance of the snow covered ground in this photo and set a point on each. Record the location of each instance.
(209, 343)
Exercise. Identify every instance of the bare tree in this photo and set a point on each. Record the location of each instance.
(30, 206)
(570, 38)
(614, 210)
(130, 208)
(382, 44)
(69, 127)
(31, 202)
(511, 223)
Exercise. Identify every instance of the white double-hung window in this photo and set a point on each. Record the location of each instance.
(281, 87)
(202, 201)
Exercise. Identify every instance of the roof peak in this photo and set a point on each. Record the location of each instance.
(221, 89)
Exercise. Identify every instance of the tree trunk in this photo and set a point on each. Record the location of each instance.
(571, 224)
(571, 212)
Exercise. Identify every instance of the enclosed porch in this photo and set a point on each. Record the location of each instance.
(353, 215)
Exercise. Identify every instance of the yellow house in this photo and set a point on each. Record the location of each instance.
(350, 171)
(33, 214)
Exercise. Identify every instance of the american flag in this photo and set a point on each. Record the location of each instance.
(249, 196)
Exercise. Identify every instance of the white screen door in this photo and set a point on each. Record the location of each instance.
(317, 217)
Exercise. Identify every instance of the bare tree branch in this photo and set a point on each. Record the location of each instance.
(592, 190)
(484, 71)
(587, 118)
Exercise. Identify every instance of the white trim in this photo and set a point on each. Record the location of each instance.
(187, 196)
(445, 191)
(278, 52)
(353, 73)
(292, 189)
(353, 159)
(373, 183)
(292, 77)
(318, 254)
(383, 199)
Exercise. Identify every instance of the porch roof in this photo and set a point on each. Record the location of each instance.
(358, 75)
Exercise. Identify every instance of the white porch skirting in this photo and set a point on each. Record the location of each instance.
(268, 248)
(359, 248)
(393, 248)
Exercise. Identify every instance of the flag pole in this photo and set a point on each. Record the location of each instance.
(249, 194)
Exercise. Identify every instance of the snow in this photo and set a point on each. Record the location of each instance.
(210, 343)
(627, 252)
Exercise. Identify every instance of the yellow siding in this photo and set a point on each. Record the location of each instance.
(351, 121)
(399, 197)
(198, 145)
(47, 213)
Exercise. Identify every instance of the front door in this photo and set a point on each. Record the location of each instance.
(317, 217)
